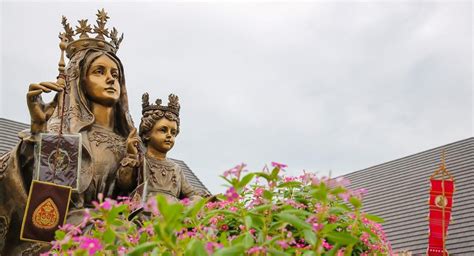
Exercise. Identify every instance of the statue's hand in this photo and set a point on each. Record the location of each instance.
(132, 142)
(40, 112)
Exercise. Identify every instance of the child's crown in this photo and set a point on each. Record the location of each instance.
(173, 104)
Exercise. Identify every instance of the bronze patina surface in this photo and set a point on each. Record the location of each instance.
(92, 86)
(158, 130)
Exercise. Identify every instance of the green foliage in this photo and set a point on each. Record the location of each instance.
(261, 213)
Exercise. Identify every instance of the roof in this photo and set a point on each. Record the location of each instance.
(9, 138)
(398, 191)
(9, 134)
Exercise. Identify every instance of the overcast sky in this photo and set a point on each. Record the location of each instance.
(320, 86)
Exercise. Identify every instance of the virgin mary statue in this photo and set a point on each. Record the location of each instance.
(96, 106)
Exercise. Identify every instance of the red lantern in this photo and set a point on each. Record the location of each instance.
(441, 203)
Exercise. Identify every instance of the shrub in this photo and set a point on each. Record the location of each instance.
(261, 213)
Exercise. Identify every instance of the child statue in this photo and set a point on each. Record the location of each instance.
(159, 127)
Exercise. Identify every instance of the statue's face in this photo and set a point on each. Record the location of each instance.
(102, 84)
(163, 134)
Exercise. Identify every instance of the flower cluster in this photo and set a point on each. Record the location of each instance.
(261, 213)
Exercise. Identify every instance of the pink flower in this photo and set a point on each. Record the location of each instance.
(133, 239)
(185, 201)
(343, 181)
(92, 245)
(283, 244)
(152, 206)
(345, 196)
(236, 171)
(317, 227)
(256, 250)
(211, 246)
(332, 218)
(258, 192)
(279, 165)
(69, 228)
(359, 192)
(231, 194)
(326, 245)
(107, 204)
(224, 227)
(122, 251)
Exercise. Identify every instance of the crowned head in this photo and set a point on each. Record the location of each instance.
(85, 37)
(153, 115)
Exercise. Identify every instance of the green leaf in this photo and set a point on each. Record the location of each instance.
(228, 181)
(248, 241)
(334, 250)
(309, 236)
(59, 234)
(225, 212)
(293, 220)
(264, 175)
(289, 184)
(261, 208)
(230, 251)
(374, 218)
(142, 248)
(342, 238)
(277, 252)
(297, 212)
(257, 221)
(248, 221)
(197, 207)
(195, 247)
(267, 195)
(109, 236)
(356, 202)
(320, 193)
(309, 253)
(275, 172)
(337, 210)
(245, 180)
(113, 214)
(329, 228)
(338, 190)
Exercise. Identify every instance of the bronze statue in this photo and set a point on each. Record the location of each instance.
(159, 127)
(96, 106)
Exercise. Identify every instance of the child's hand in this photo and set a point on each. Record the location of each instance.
(132, 142)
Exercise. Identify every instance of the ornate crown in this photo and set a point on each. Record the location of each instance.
(173, 104)
(86, 42)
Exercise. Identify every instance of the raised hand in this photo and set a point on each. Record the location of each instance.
(40, 112)
(132, 142)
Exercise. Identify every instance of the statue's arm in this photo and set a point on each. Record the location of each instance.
(129, 166)
(188, 191)
(128, 172)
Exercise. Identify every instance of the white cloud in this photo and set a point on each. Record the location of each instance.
(320, 86)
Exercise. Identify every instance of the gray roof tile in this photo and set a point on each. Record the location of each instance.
(398, 192)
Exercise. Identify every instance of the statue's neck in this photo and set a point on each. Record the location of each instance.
(104, 115)
(152, 152)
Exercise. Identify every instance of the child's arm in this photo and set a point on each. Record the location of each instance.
(128, 172)
(129, 166)
(188, 191)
